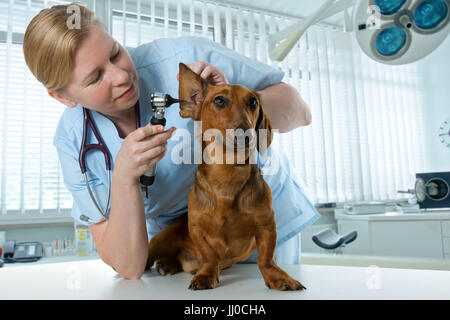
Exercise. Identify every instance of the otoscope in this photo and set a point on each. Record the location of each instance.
(159, 102)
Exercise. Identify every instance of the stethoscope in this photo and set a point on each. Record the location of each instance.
(100, 145)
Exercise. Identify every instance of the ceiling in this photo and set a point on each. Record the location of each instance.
(297, 8)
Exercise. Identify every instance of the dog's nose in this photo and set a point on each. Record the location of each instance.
(244, 126)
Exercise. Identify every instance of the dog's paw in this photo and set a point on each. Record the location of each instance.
(165, 267)
(201, 282)
(285, 284)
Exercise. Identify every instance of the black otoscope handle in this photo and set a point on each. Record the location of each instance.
(155, 121)
(148, 180)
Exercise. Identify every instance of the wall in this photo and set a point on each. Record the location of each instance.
(435, 71)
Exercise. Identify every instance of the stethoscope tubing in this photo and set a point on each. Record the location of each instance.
(91, 194)
(101, 146)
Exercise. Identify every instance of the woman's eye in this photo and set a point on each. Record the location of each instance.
(112, 59)
(252, 103)
(116, 55)
(96, 78)
(220, 101)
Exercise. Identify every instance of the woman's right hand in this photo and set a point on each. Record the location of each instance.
(141, 150)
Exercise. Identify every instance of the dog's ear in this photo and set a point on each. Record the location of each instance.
(192, 89)
(263, 123)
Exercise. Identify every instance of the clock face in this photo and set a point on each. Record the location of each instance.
(444, 133)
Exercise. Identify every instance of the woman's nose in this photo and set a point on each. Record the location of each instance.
(120, 76)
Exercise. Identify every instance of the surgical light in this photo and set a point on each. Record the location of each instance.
(388, 31)
(390, 41)
(388, 7)
(430, 13)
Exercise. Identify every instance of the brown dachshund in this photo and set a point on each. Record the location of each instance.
(230, 210)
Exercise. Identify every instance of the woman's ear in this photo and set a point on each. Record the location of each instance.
(192, 88)
(62, 98)
(263, 129)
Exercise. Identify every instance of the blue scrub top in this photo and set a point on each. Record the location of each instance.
(157, 66)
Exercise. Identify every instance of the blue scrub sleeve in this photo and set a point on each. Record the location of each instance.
(238, 68)
(75, 183)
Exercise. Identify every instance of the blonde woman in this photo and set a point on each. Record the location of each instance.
(86, 69)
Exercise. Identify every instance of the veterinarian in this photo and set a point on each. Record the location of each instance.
(86, 67)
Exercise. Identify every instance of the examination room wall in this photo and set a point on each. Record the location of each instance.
(434, 74)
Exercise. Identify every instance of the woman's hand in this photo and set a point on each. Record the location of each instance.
(141, 150)
(208, 72)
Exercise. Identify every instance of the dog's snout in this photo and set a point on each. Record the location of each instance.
(243, 134)
(244, 126)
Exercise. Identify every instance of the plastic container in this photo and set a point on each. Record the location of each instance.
(83, 241)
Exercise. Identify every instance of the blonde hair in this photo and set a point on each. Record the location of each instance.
(50, 42)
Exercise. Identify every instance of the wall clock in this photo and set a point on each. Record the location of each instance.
(444, 133)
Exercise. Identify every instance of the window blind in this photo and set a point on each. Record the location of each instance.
(31, 181)
(365, 141)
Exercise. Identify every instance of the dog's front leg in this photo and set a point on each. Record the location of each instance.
(274, 276)
(207, 275)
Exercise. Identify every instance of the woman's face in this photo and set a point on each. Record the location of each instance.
(104, 78)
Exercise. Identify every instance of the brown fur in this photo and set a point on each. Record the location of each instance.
(230, 210)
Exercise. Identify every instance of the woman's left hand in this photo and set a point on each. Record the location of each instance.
(208, 72)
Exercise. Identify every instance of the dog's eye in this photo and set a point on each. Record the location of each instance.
(252, 103)
(220, 101)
